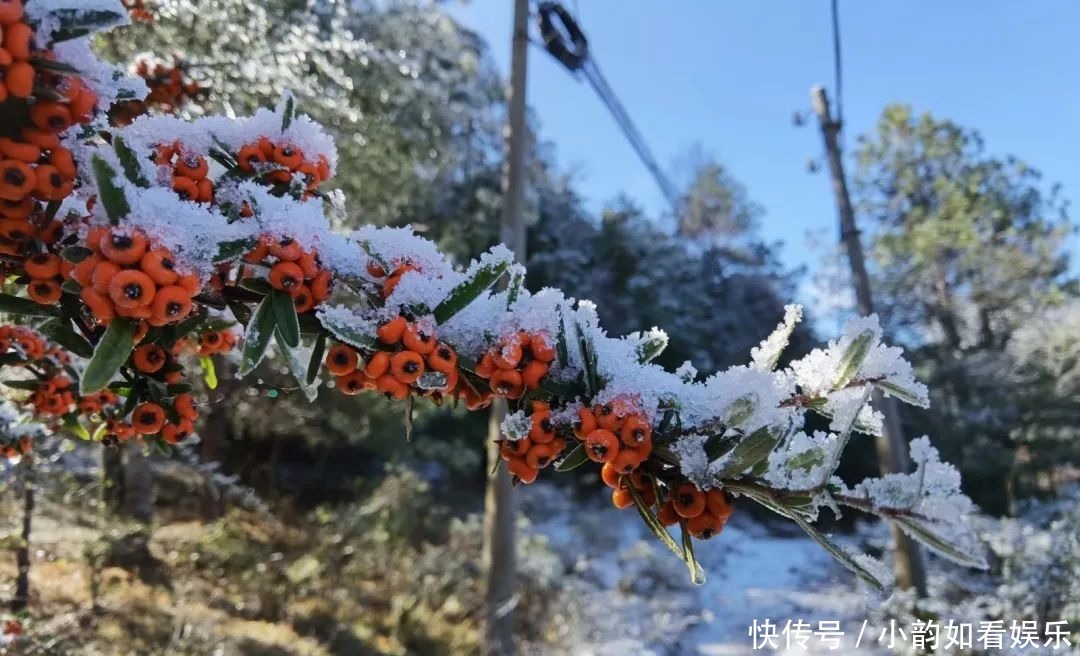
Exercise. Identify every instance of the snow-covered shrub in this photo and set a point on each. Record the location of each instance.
(167, 226)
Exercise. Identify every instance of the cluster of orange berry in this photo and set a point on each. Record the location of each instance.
(34, 166)
(216, 341)
(525, 457)
(125, 276)
(518, 362)
(168, 89)
(45, 278)
(149, 417)
(705, 513)
(618, 433)
(97, 402)
(32, 344)
(190, 173)
(397, 372)
(55, 397)
(283, 163)
(292, 270)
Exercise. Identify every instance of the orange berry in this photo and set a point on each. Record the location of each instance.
(123, 249)
(160, 266)
(302, 299)
(507, 382)
(601, 445)
(407, 366)
(98, 304)
(149, 358)
(19, 79)
(42, 265)
(286, 276)
(667, 514)
(540, 349)
(705, 526)
(50, 115)
(44, 291)
(186, 188)
(622, 498)
(392, 387)
(131, 288)
(611, 476)
(521, 470)
(508, 355)
(193, 167)
(416, 340)
(533, 373)
(635, 431)
(542, 431)
(171, 303)
(718, 503)
(392, 331)
(627, 461)
(442, 358)
(378, 364)
(103, 274)
(539, 455)
(148, 418)
(352, 383)
(184, 404)
(586, 423)
(286, 249)
(342, 359)
(689, 501)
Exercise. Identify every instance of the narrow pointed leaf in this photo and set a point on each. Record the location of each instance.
(469, 290)
(845, 558)
(925, 533)
(26, 307)
(111, 196)
(260, 330)
(853, 358)
(576, 458)
(288, 324)
(697, 575)
(317, 354)
(299, 359)
(129, 161)
(750, 450)
(110, 354)
(234, 248)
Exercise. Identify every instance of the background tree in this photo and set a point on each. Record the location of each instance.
(965, 247)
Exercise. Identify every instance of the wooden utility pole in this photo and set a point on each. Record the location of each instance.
(499, 511)
(892, 448)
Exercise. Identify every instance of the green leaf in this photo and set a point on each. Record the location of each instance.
(257, 285)
(317, 354)
(651, 347)
(111, 196)
(349, 334)
(285, 316)
(806, 460)
(61, 332)
(697, 575)
(514, 290)
(298, 364)
(71, 422)
(588, 360)
(24, 306)
(845, 558)
(740, 410)
(925, 532)
(172, 389)
(227, 250)
(209, 371)
(53, 66)
(240, 310)
(410, 401)
(853, 358)
(560, 342)
(260, 330)
(24, 385)
(469, 290)
(71, 286)
(750, 450)
(576, 458)
(70, 24)
(76, 254)
(289, 113)
(904, 395)
(129, 161)
(110, 354)
(661, 533)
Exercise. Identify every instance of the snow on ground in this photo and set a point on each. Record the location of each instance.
(635, 597)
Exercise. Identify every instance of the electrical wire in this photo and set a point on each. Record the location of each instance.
(566, 42)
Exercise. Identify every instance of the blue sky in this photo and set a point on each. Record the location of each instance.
(729, 75)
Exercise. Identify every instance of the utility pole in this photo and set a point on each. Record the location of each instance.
(499, 510)
(892, 448)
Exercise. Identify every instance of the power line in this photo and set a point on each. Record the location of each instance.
(566, 42)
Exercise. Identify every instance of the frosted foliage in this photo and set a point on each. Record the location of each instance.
(45, 14)
(765, 356)
(804, 461)
(108, 82)
(931, 493)
(817, 373)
